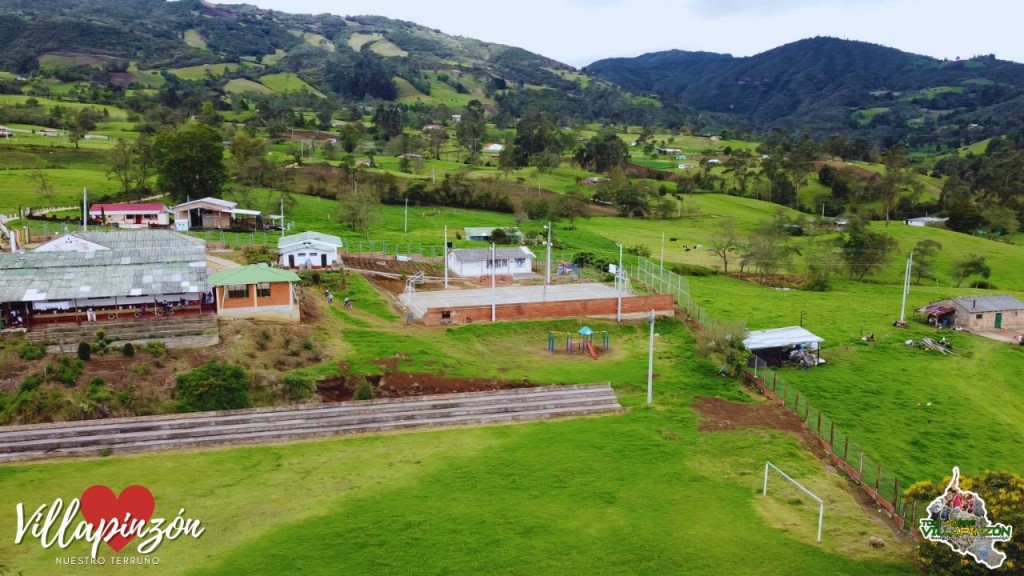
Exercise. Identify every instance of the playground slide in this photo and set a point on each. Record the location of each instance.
(590, 348)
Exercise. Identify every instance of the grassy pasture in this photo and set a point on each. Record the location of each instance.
(287, 82)
(357, 40)
(61, 60)
(387, 49)
(194, 39)
(200, 72)
(314, 40)
(244, 85)
(114, 112)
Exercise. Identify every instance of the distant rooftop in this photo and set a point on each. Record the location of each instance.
(978, 304)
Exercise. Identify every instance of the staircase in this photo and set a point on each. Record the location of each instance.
(195, 330)
(125, 435)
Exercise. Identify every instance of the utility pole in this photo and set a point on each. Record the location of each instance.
(445, 256)
(547, 271)
(650, 363)
(494, 289)
(621, 287)
(282, 217)
(662, 253)
(85, 209)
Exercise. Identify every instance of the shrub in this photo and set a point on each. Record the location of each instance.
(31, 383)
(364, 391)
(156, 349)
(213, 386)
(141, 370)
(639, 250)
(295, 387)
(128, 350)
(66, 371)
(84, 351)
(32, 351)
(693, 270)
(817, 284)
(125, 399)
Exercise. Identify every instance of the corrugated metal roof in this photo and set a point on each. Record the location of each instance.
(137, 239)
(780, 337)
(207, 200)
(990, 303)
(68, 275)
(486, 232)
(308, 236)
(484, 254)
(251, 274)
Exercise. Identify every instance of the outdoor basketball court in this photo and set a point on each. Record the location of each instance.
(420, 302)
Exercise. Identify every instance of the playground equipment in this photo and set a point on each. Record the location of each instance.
(568, 268)
(582, 341)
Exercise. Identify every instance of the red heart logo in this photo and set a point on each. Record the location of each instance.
(99, 504)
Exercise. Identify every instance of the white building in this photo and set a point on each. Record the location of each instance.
(308, 250)
(475, 262)
(130, 215)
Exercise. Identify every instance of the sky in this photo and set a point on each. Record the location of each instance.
(578, 32)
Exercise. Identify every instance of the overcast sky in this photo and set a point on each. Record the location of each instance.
(578, 32)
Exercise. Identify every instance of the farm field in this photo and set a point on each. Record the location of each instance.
(243, 85)
(287, 82)
(199, 72)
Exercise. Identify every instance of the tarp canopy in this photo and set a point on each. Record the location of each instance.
(586, 331)
(780, 338)
(937, 310)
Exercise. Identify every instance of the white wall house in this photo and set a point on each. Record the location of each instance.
(130, 215)
(308, 250)
(475, 262)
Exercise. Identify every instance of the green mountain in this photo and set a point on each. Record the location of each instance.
(826, 84)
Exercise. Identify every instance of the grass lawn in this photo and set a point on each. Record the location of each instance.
(621, 494)
(357, 40)
(387, 49)
(114, 112)
(314, 40)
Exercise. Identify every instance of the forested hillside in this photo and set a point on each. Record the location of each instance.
(821, 85)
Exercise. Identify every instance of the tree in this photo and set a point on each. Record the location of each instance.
(43, 186)
(897, 177)
(190, 161)
(571, 206)
(123, 166)
(724, 241)
(471, 128)
(212, 386)
(665, 208)
(723, 342)
(1002, 492)
(358, 208)
(145, 163)
(864, 251)
(970, 265)
(925, 252)
(602, 152)
(767, 249)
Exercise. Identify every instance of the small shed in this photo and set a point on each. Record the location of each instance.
(256, 291)
(471, 262)
(203, 213)
(309, 250)
(999, 312)
(780, 345)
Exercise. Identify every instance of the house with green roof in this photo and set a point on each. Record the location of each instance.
(257, 291)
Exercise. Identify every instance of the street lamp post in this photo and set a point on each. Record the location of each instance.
(650, 364)
(445, 256)
(620, 286)
(494, 291)
(406, 215)
(547, 271)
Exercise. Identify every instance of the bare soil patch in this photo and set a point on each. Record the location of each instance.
(720, 414)
(398, 384)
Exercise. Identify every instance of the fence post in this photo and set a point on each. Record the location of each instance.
(784, 391)
(819, 423)
(878, 478)
(860, 471)
(807, 411)
(895, 493)
(832, 436)
(775, 377)
(796, 405)
(846, 447)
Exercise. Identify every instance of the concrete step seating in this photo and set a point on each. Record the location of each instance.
(154, 328)
(123, 435)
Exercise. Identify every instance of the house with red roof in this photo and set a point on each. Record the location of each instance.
(130, 215)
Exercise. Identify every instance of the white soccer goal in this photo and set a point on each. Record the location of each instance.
(821, 504)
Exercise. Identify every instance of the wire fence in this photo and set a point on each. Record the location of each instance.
(879, 483)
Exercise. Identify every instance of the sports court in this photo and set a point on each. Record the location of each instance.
(420, 302)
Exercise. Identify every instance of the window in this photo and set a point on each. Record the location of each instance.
(238, 290)
(263, 290)
(446, 315)
(980, 316)
(520, 262)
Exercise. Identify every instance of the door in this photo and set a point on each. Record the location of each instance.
(323, 260)
(999, 320)
(291, 260)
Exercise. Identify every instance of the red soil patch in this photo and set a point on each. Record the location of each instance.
(396, 384)
(719, 414)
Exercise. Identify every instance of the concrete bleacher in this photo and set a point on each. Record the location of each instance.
(174, 331)
(126, 435)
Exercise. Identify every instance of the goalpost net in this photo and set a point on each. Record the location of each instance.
(821, 504)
